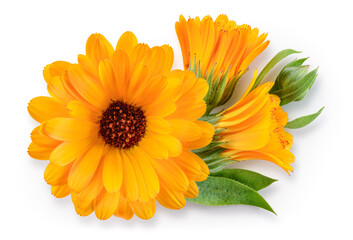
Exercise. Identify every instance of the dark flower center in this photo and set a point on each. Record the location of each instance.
(122, 125)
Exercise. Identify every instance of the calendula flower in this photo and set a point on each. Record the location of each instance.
(118, 129)
(253, 129)
(220, 51)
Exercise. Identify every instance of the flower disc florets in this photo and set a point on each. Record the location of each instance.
(122, 125)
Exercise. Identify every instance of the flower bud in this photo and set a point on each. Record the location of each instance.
(294, 81)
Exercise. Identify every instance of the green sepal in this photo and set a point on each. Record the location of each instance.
(193, 69)
(220, 89)
(296, 62)
(252, 179)
(231, 86)
(303, 121)
(211, 146)
(217, 191)
(212, 118)
(212, 92)
(213, 153)
(209, 79)
(278, 57)
(220, 164)
(198, 71)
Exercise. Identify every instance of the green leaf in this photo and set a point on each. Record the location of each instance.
(303, 121)
(219, 165)
(217, 191)
(252, 179)
(279, 56)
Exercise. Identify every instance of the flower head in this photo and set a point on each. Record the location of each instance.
(253, 129)
(118, 129)
(220, 51)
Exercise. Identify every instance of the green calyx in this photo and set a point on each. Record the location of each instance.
(220, 89)
(212, 153)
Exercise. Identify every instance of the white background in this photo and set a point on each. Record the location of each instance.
(314, 202)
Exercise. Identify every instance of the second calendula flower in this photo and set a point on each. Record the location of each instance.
(219, 51)
(118, 129)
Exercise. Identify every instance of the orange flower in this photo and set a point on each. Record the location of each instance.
(221, 44)
(253, 128)
(118, 129)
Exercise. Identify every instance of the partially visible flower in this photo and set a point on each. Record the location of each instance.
(220, 51)
(252, 129)
(118, 129)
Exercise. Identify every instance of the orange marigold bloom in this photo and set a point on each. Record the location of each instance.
(221, 44)
(118, 129)
(253, 128)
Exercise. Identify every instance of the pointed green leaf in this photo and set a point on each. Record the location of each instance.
(252, 179)
(278, 57)
(216, 191)
(303, 121)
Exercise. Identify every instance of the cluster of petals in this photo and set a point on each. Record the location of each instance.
(121, 181)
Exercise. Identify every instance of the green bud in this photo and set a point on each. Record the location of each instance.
(294, 81)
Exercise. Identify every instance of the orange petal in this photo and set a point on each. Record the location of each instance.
(123, 210)
(112, 171)
(87, 86)
(144, 210)
(45, 108)
(130, 187)
(70, 129)
(41, 139)
(56, 175)
(98, 48)
(84, 169)
(127, 42)
(121, 64)
(68, 152)
(54, 70)
(171, 199)
(106, 204)
(39, 152)
(60, 191)
(78, 109)
(185, 130)
(158, 125)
